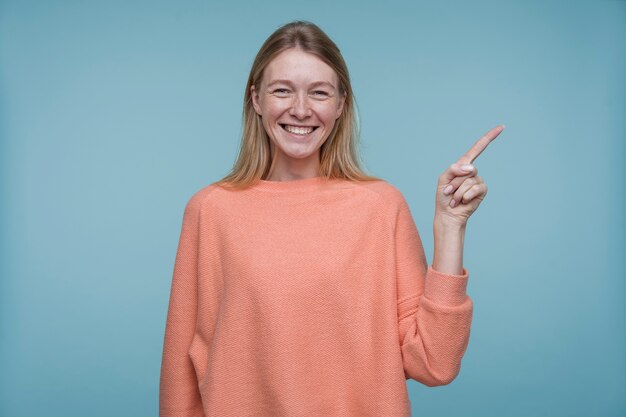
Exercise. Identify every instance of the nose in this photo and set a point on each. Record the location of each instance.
(300, 106)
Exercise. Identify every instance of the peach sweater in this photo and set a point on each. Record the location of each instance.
(309, 297)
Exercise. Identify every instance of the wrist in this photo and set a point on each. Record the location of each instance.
(448, 226)
(448, 252)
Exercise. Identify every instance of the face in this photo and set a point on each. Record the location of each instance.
(299, 101)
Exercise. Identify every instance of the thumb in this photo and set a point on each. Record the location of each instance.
(458, 169)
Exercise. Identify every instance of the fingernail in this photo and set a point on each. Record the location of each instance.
(448, 189)
(452, 203)
(467, 167)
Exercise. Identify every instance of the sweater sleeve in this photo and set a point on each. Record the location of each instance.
(179, 395)
(434, 310)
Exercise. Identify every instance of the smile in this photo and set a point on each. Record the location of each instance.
(299, 130)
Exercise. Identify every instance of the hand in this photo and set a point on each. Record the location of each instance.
(459, 192)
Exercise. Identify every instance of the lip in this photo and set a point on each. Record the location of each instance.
(291, 124)
(293, 135)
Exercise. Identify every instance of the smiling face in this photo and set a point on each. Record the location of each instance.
(299, 101)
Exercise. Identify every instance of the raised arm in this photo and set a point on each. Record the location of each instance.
(434, 311)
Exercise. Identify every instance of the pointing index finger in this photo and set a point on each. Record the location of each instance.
(480, 145)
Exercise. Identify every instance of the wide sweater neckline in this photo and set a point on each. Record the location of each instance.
(299, 185)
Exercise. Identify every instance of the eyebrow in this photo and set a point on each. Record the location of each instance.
(314, 84)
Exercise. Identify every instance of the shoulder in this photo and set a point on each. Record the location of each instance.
(199, 198)
(384, 190)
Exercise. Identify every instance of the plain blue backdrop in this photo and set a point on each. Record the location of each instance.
(112, 114)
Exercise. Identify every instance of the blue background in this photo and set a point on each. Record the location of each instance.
(112, 114)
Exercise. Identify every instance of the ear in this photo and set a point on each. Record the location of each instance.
(255, 99)
(342, 101)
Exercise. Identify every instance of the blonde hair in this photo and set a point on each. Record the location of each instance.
(339, 156)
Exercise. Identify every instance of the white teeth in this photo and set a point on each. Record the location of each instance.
(298, 130)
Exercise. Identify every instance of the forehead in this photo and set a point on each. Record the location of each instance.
(299, 67)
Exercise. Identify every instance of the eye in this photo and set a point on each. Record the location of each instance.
(320, 94)
(281, 92)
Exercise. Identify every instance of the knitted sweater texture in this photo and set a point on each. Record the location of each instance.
(308, 297)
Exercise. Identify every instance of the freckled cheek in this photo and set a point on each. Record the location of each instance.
(277, 110)
(327, 116)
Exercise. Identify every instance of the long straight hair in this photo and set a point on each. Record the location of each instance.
(339, 155)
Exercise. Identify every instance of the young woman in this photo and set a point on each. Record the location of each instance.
(301, 286)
